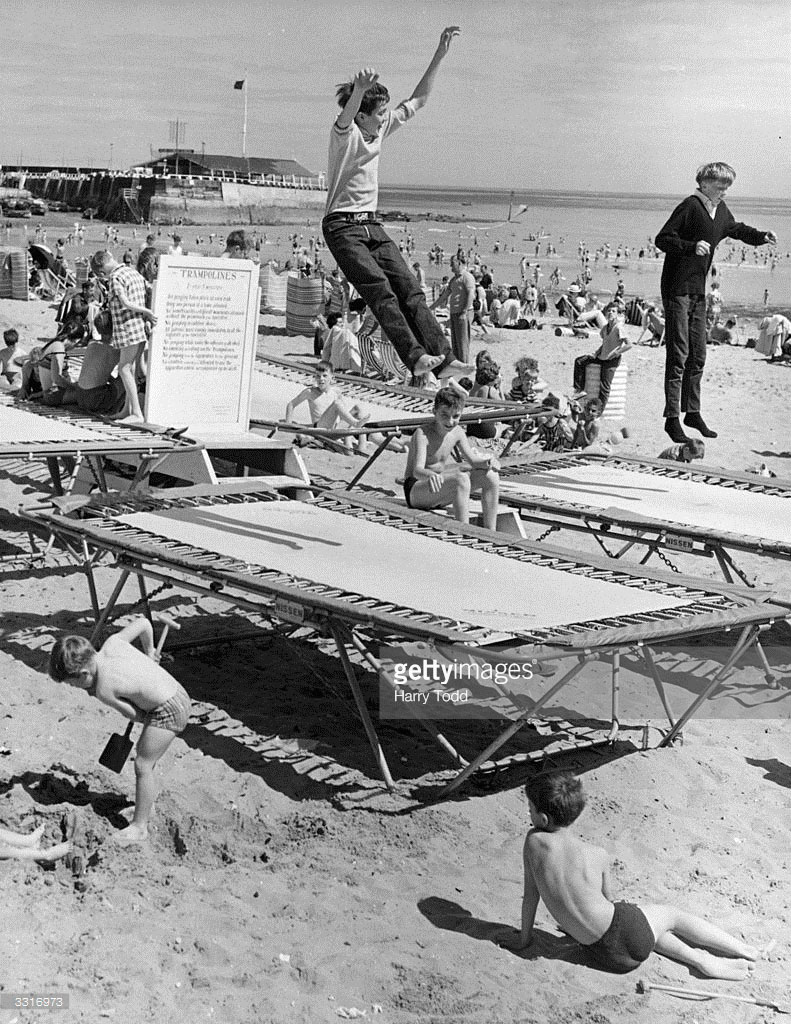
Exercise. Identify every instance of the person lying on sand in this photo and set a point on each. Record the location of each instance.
(18, 846)
(131, 681)
(573, 879)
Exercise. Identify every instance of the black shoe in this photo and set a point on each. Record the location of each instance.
(675, 431)
(695, 420)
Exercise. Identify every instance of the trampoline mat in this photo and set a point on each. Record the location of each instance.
(666, 499)
(468, 585)
(272, 393)
(18, 426)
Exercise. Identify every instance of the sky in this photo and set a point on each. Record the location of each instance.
(603, 95)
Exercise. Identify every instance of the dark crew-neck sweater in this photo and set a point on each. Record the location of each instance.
(684, 273)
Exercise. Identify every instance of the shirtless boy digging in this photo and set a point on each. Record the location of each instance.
(434, 479)
(132, 682)
(572, 877)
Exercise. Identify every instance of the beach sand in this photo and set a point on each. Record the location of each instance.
(281, 883)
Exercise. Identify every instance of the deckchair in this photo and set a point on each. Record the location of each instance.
(346, 567)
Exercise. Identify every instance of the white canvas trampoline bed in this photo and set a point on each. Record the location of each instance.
(652, 505)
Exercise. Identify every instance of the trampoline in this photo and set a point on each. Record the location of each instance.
(346, 566)
(392, 409)
(652, 504)
(31, 431)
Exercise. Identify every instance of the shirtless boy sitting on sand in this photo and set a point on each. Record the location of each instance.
(127, 679)
(434, 479)
(572, 877)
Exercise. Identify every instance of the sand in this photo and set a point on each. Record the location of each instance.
(281, 884)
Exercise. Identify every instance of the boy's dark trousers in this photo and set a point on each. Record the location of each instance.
(607, 368)
(685, 340)
(372, 263)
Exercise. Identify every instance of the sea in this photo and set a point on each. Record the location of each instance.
(566, 219)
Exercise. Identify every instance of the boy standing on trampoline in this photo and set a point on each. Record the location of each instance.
(433, 478)
(573, 879)
(363, 250)
(128, 680)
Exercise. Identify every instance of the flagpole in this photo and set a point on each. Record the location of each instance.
(244, 127)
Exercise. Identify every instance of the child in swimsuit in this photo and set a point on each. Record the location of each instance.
(573, 879)
(433, 478)
(328, 409)
(127, 679)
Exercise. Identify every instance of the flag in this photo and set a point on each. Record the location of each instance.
(239, 84)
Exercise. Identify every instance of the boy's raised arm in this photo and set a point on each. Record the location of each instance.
(139, 629)
(423, 88)
(364, 79)
(292, 405)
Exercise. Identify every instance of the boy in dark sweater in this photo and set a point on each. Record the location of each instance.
(689, 239)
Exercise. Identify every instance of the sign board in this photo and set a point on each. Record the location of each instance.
(202, 348)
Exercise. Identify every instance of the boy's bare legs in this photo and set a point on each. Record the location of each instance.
(131, 412)
(674, 929)
(151, 746)
(455, 491)
(488, 480)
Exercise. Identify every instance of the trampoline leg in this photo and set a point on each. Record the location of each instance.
(769, 675)
(514, 727)
(616, 693)
(101, 622)
(427, 724)
(88, 566)
(727, 563)
(747, 638)
(371, 460)
(373, 739)
(660, 688)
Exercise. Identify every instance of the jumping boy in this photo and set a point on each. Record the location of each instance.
(125, 678)
(363, 250)
(572, 877)
(433, 479)
(689, 239)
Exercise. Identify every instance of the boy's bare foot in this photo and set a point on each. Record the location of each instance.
(457, 369)
(719, 967)
(131, 418)
(425, 364)
(131, 836)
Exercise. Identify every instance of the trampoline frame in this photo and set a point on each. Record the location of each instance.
(150, 443)
(631, 530)
(416, 404)
(358, 622)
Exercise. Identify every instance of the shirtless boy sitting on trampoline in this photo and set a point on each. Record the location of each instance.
(573, 879)
(434, 479)
(128, 680)
(328, 409)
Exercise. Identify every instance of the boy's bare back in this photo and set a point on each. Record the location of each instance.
(572, 879)
(123, 671)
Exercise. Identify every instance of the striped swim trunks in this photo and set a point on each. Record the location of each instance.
(173, 713)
